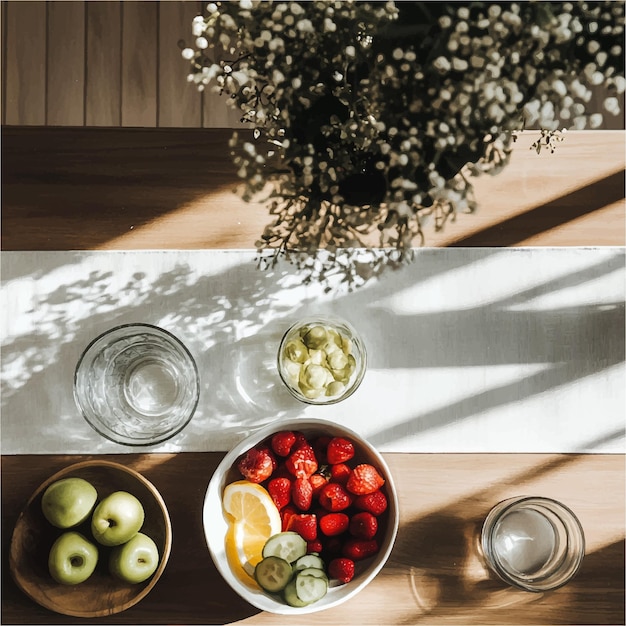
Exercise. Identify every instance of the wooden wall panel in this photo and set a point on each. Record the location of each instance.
(3, 49)
(26, 63)
(115, 63)
(216, 112)
(180, 103)
(103, 63)
(139, 63)
(65, 78)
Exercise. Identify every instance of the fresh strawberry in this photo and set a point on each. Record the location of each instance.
(314, 546)
(317, 481)
(364, 479)
(342, 569)
(282, 442)
(357, 549)
(302, 493)
(363, 525)
(339, 473)
(339, 450)
(375, 503)
(333, 497)
(300, 438)
(305, 524)
(301, 461)
(257, 464)
(286, 513)
(280, 490)
(333, 524)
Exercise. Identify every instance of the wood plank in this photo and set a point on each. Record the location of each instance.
(26, 63)
(3, 34)
(103, 63)
(434, 574)
(139, 63)
(180, 104)
(175, 189)
(66, 64)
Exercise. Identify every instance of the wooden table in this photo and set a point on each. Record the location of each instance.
(87, 189)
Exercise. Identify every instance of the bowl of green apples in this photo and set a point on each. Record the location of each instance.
(92, 540)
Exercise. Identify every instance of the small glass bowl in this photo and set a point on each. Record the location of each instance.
(137, 385)
(322, 359)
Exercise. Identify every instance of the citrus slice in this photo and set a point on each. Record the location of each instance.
(253, 518)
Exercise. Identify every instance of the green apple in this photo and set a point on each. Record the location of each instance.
(117, 518)
(72, 558)
(68, 502)
(136, 560)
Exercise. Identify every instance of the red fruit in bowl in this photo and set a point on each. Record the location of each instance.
(302, 493)
(339, 450)
(257, 464)
(341, 569)
(302, 461)
(314, 546)
(357, 549)
(333, 524)
(286, 514)
(305, 524)
(317, 481)
(375, 503)
(364, 479)
(333, 497)
(280, 490)
(363, 525)
(282, 442)
(339, 473)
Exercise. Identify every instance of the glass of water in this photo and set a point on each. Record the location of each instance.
(533, 543)
(137, 385)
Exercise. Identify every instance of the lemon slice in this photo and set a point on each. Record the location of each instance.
(253, 518)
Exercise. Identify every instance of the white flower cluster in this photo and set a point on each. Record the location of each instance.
(367, 118)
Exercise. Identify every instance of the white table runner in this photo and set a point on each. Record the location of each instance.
(470, 350)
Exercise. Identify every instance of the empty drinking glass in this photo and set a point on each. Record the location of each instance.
(533, 543)
(137, 384)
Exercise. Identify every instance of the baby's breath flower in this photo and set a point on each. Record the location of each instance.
(370, 119)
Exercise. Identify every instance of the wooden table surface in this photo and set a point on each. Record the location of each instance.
(126, 189)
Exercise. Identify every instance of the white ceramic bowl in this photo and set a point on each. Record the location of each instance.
(215, 526)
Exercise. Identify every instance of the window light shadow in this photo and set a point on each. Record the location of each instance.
(550, 215)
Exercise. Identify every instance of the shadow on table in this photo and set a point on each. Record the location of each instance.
(232, 321)
(450, 582)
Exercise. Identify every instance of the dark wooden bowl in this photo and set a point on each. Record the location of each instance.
(101, 594)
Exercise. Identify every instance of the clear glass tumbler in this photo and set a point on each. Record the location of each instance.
(533, 543)
(137, 384)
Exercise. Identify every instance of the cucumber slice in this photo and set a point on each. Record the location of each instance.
(290, 595)
(311, 588)
(308, 561)
(287, 545)
(273, 573)
(315, 572)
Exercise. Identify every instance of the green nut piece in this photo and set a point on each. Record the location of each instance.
(314, 376)
(337, 360)
(310, 393)
(316, 337)
(335, 388)
(296, 351)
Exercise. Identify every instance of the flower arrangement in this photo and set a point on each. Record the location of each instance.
(368, 118)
